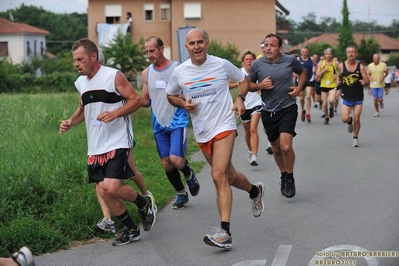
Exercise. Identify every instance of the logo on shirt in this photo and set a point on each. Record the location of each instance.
(200, 82)
(351, 79)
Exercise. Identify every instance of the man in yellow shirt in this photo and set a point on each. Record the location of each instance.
(377, 72)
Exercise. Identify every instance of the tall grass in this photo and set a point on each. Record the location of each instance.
(45, 199)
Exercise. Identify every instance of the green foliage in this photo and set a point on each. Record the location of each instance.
(393, 60)
(125, 55)
(318, 48)
(367, 49)
(43, 186)
(62, 63)
(229, 52)
(346, 36)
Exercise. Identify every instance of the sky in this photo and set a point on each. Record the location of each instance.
(382, 11)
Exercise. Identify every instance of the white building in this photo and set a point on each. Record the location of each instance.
(20, 42)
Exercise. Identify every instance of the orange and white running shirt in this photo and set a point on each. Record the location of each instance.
(207, 85)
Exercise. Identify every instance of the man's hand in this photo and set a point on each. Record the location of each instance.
(238, 107)
(65, 125)
(106, 117)
(190, 107)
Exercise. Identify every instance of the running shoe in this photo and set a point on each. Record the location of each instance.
(181, 200)
(355, 143)
(148, 214)
(335, 112)
(377, 114)
(326, 121)
(303, 116)
(323, 115)
(127, 236)
(331, 113)
(219, 238)
(308, 118)
(23, 257)
(269, 150)
(349, 127)
(105, 225)
(249, 156)
(288, 188)
(254, 160)
(382, 105)
(155, 206)
(257, 203)
(193, 184)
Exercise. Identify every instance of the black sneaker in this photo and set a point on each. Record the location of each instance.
(269, 150)
(193, 184)
(326, 121)
(331, 113)
(288, 188)
(127, 236)
(181, 200)
(148, 214)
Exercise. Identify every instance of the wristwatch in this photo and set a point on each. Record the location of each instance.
(242, 97)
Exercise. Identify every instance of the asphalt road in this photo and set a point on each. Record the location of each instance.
(346, 206)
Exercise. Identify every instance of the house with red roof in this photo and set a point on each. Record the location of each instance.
(20, 42)
(388, 45)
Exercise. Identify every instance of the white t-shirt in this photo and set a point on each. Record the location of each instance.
(207, 85)
(253, 98)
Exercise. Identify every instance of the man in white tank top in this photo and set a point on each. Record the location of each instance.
(106, 102)
(169, 123)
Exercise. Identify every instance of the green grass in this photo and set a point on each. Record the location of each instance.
(45, 199)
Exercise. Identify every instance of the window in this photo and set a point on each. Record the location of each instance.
(42, 52)
(165, 12)
(3, 48)
(192, 10)
(113, 14)
(34, 47)
(28, 50)
(148, 12)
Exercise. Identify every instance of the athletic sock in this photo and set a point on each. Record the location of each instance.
(126, 220)
(254, 192)
(226, 227)
(290, 176)
(174, 178)
(186, 171)
(140, 202)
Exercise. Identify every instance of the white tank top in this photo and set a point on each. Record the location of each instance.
(98, 95)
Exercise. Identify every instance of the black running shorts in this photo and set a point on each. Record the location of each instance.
(280, 121)
(112, 164)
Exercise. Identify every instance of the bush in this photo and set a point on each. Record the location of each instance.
(229, 52)
(393, 60)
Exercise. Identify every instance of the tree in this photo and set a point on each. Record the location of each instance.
(229, 52)
(64, 29)
(346, 37)
(367, 49)
(125, 55)
(393, 60)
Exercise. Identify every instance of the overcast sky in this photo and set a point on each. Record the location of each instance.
(382, 11)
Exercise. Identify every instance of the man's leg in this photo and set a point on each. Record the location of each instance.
(308, 101)
(357, 110)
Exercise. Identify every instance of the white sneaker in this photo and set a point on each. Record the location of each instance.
(24, 257)
(377, 114)
(254, 160)
(355, 143)
(257, 203)
(105, 225)
(249, 156)
(382, 105)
